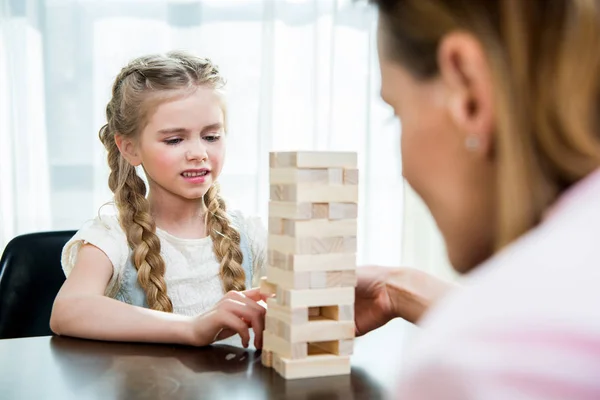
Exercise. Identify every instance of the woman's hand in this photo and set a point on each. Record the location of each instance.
(384, 293)
(372, 304)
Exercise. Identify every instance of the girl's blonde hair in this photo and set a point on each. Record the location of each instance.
(545, 62)
(137, 90)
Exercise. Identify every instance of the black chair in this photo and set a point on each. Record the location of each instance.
(30, 277)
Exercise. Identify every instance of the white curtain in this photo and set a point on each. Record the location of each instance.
(302, 75)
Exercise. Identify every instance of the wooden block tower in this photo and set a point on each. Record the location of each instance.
(311, 263)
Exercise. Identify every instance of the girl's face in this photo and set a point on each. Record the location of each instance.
(438, 116)
(182, 148)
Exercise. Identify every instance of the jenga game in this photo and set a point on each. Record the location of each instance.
(311, 263)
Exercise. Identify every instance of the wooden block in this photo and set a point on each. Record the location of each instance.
(310, 193)
(312, 245)
(327, 279)
(273, 325)
(276, 226)
(343, 347)
(320, 228)
(303, 211)
(336, 176)
(283, 347)
(266, 358)
(347, 278)
(298, 315)
(279, 259)
(318, 279)
(312, 366)
(288, 279)
(313, 159)
(345, 312)
(266, 287)
(312, 262)
(320, 210)
(316, 350)
(282, 159)
(350, 177)
(342, 211)
(289, 210)
(318, 329)
(341, 312)
(312, 311)
(331, 312)
(315, 297)
(296, 175)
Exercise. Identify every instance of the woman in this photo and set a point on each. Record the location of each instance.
(499, 103)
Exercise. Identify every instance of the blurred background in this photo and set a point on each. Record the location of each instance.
(302, 75)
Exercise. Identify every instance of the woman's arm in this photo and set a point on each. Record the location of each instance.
(384, 293)
(412, 292)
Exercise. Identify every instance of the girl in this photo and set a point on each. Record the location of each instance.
(173, 266)
(508, 162)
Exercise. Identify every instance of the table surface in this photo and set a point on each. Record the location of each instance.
(53, 367)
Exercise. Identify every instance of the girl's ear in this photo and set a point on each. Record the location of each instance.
(128, 150)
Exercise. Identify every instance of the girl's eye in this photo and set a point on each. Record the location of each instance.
(173, 141)
(212, 138)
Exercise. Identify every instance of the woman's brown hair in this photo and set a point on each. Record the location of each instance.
(545, 62)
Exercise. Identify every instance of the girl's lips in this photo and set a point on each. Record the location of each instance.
(195, 179)
(190, 173)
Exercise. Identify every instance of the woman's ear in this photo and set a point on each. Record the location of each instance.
(467, 77)
(128, 150)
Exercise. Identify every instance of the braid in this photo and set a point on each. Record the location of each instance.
(226, 241)
(130, 191)
(134, 213)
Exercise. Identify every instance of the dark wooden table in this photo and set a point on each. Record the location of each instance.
(66, 368)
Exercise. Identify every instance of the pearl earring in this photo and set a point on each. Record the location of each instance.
(472, 142)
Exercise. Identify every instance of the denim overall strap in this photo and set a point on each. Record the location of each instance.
(246, 251)
(130, 291)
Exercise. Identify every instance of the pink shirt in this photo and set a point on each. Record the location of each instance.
(527, 323)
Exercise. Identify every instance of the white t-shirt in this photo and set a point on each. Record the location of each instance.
(192, 271)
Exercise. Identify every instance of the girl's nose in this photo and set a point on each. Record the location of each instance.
(196, 151)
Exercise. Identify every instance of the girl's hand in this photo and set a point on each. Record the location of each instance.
(235, 313)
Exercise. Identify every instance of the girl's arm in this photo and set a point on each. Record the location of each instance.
(82, 310)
